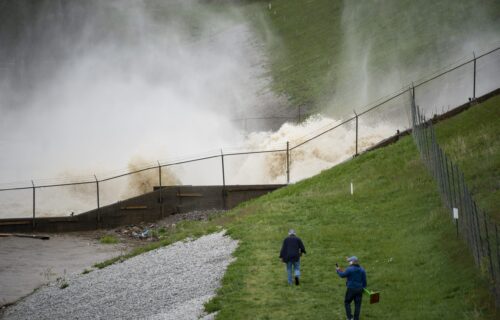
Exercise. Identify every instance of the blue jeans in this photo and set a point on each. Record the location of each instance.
(296, 268)
(357, 296)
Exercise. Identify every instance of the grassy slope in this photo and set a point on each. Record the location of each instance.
(471, 140)
(313, 49)
(302, 44)
(395, 223)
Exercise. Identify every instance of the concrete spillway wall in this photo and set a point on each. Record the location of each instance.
(145, 208)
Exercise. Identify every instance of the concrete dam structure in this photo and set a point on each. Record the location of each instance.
(148, 207)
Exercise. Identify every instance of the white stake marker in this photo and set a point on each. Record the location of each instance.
(352, 188)
(455, 213)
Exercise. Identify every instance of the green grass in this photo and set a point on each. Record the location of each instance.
(395, 223)
(183, 230)
(316, 49)
(109, 239)
(301, 40)
(471, 141)
(85, 271)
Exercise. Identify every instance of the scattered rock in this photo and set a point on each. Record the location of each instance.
(151, 231)
(171, 282)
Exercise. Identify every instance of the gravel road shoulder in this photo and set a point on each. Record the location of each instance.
(172, 282)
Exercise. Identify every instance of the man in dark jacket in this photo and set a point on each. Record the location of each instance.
(290, 253)
(356, 282)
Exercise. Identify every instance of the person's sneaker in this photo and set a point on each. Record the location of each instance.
(296, 281)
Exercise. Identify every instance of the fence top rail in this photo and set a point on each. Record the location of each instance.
(126, 174)
(49, 185)
(140, 170)
(392, 97)
(253, 152)
(264, 118)
(422, 82)
(155, 167)
(322, 133)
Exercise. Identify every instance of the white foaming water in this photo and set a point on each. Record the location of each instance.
(88, 86)
(134, 79)
(147, 78)
(93, 84)
(307, 159)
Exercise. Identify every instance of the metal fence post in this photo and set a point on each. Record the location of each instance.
(161, 189)
(34, 224)
(418, 130)
(488, 249)
(412, 106)
(460, 204)
(356, 133)
(475, 223)
(474, 84)
(445, 177)
(422, 130)
(448, 188)
(470, 221)
(453, 189)
(474, 211)
(98, 202)
(287, 162)
(223, 180)
(422, 140)
(440, 168)
(434, 153)
(427, 143)
(444, 164)
(223, 173)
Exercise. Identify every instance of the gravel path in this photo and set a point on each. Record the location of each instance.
(168, 283)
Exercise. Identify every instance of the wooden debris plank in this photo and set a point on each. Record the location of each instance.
(189, 195)
(8, 223)
(134, 207)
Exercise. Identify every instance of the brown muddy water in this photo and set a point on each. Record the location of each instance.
(26, 264)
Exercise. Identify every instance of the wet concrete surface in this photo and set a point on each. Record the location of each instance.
(26, 264)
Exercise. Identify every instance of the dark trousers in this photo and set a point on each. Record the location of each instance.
(356, 295)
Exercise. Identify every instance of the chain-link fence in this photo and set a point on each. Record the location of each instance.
(288, 158)
(474, 226)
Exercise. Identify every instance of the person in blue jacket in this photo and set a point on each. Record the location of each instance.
(291, 251)
(356, 282)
